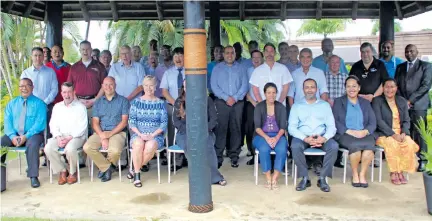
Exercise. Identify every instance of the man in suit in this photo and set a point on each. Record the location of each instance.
(414, 79)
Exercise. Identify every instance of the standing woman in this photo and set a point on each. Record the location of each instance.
(270, 119)
(179, 118)
(355, 124)
(393, 132)
(148, 120)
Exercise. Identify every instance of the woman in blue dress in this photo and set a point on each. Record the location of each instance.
(148, 120)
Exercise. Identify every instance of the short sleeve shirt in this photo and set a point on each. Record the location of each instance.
(110, 112)
(372, 78)
(296, 90)
(127, 78)
(169, 81)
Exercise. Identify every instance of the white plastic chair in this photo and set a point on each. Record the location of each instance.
(173, 150)
(62, 152)
(307, 152)
(256, 166)
(345, 157)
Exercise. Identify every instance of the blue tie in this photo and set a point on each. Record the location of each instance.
(180, 78)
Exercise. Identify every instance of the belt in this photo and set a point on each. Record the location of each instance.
(86, 97)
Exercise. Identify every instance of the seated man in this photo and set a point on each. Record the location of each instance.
(312, 129)
(68, 126)
(24, 123)
(110, 115)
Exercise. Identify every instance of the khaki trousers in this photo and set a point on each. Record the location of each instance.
(115, 147)
(71, 150)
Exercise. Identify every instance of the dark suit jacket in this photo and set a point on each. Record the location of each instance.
(340, 110)
(384, 116)
(414, 85)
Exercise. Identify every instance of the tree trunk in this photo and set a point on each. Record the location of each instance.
(11, 59)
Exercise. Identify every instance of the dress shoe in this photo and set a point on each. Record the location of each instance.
(122, 167)
(304, 183)
(145, 168)
(421, 167)
(251, 161)
(63, 177)
(34, 181)
(100, 174)
(338, 164)
(234, 163)
(107, 175)
(249, 154)
(164, 162)
(219, 165)
(323, 185)
(72, 178)
(176, 168)
(82, 165)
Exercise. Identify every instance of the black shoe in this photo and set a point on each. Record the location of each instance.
(82, 165)
(304, 183)
(122, 167)
(422, 165)
(219, 165)
(364, 185)
(106, 176)
(177, 168)
(34, 181)
(100, 174)
(323, 185)
(234, 163)
(338, 164)
(355, 184)
(251, 161)
(163, 163)
(317, 168)
(145, 168)
(44, 164)
(249, 154)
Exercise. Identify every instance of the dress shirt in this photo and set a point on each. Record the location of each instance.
(292, 67)
(370, 79)
(299, 77)
(408, 66)
(249, 72)
(229, 81)
(69, 120)
(159, 73)
(320, 63)
(263, 74)
(45, 85)
(110, 112)
(247, 63)
(169, 81)
(127, 78)
(36, 116)
(150, 70)
(354, 116)
(311, 119)
(336, 84)
(391, 65)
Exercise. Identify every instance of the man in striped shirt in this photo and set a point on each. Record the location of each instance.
(335, 79)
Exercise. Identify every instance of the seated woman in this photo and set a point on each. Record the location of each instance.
(393, 130)
(148, 120)
(270, 120)
(355, 124)
(179, 118)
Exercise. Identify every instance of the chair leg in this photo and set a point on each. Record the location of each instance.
(295, 175)
(119, 166)
(78, 170)
(50, 171)
(292, 168)
(380, 167)
(372, 171)
(256, 168)
(131, 168)
(158, 165)
(19, 157)
(91, 170)
(286, 172)
(345, 155)
(174, 160)
(169, 166)
(407, 176)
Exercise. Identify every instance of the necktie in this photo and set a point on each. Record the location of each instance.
(180, 79)
(21, 122)
(410, 65)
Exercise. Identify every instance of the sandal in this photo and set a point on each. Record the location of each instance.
(268, 185)
(130, 175)
(394, 178)
(275, 185)
(402, 178)
(222, 183)
(137, 180)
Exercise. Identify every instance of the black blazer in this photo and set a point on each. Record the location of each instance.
(414, 85)
(340, 110)
(260, 115)
(384, 116)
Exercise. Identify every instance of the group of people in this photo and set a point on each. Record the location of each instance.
(298, 101)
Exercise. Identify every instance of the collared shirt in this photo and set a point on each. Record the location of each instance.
(413, 62)
(210, 67)
(45, 85)
(249, 73)
(311, 119)
(149, 70)
(391, 65)
(35, 120)
(127, 78)
(62, 73)
(229, 81)
(169, 81)
(354, 116)
(370, 79)
(69, 120)
(159, 73)
(278, 74)
(291, 66)
(87, 80)
(320, 63)
(336, 84)
(299, 77)
(247, 63)
(110, 112)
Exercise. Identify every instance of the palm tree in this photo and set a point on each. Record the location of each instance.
(375, 27)
(324, 27)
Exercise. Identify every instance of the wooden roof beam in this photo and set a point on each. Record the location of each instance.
(114, 11)
(354, 10)
(398, 10)
(9, 6)
(29, 9)
(318, 15)
(242, 10)
(84, 10)
(159, 10)
(283, 10)
(420, 6)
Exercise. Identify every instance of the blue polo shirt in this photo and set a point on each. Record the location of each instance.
(391, 65)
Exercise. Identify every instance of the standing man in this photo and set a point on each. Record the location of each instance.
(218, 57)
(294, 63)
(152, 63)
(283, 52)
(24, 123)
(414, 80)
(68, 128)
(252, 46)
(229, 84)
(106, 58)
(152, 47)
(335, 79)
(322, 61)
(136, 53)
(390, 61)
(238, 50)
(46, 55)
(95, 54)
(60, 67)
(110, 115)
(307, 71)
(167, 63)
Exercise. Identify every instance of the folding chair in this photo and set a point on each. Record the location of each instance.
(173, 150)
(256, 166)
(345, 157)
(307, 152)
(62, 152)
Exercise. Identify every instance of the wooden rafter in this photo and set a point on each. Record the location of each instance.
(354, 10)
(9, 6)
(29, 9)
(318, 15)
(114, 11)
(242, 10)
(421, 7)
(283, 10)
(398, 10)
(159, 10)
(84, 10)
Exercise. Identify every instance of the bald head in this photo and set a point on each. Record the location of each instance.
(109, 86)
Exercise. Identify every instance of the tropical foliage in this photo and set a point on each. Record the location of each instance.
(375, 27)
(324, 27)
(426, 133)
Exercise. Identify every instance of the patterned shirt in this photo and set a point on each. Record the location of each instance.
(148, 116)
(110, 112)
(336, 84)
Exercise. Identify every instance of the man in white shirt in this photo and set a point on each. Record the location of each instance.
(68, 127)
(271, 71)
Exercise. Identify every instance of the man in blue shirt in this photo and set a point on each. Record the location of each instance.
(390, 61)
(322, 61)
(312, 125)
(24, 123)
(218, 57)
(229, 84)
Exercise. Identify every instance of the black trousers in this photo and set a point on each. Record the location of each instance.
(415, 116)
(249, 126)
(228, 117)
(33, 145)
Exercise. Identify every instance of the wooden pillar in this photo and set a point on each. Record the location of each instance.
(215, 38)
(54, 23)
(386, 21)
(200, 197)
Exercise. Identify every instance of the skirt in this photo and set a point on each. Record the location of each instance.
(354, 144)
